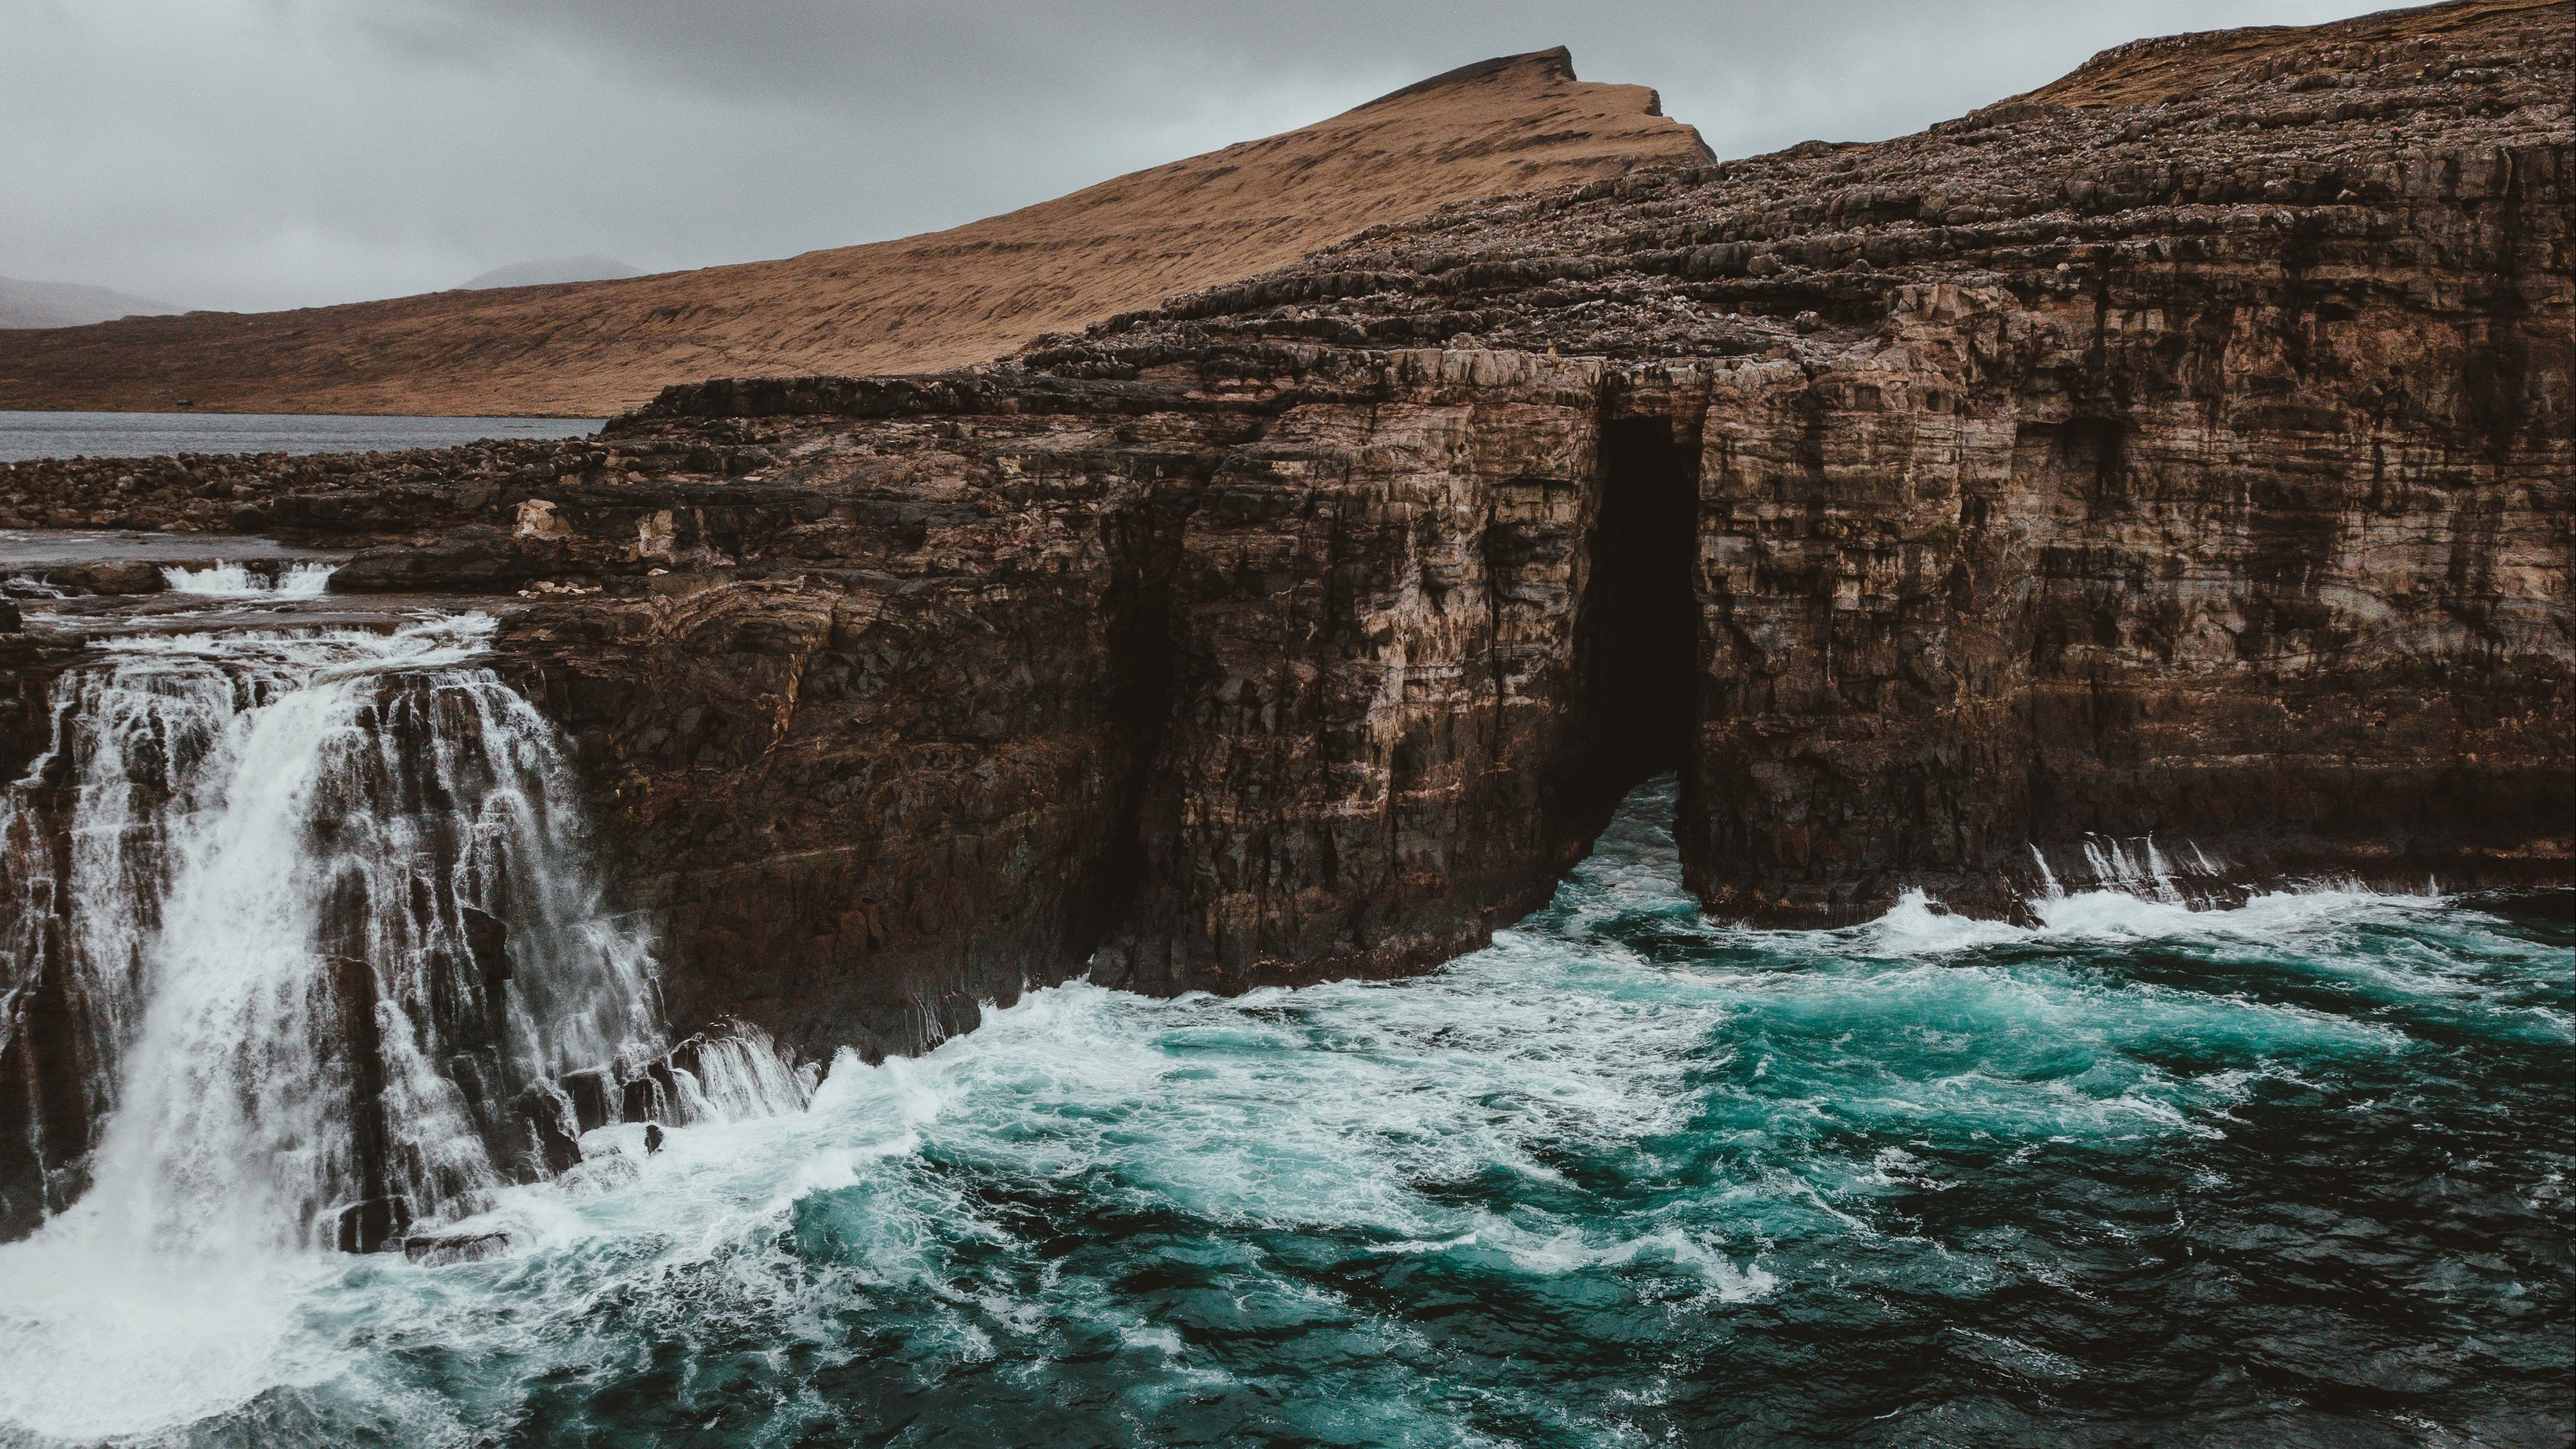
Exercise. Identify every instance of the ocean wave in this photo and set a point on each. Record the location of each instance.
(1501, 1177)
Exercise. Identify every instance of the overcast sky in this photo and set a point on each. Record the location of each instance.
(254, 154)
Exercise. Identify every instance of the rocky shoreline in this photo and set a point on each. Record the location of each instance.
(2172, 493)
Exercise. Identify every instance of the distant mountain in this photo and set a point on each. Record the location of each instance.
(918, 304)
(69, 304)
(559, 269)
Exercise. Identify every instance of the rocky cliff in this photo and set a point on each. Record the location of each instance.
(2164, 478)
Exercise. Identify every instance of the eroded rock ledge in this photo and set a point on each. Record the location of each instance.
(2197, 467)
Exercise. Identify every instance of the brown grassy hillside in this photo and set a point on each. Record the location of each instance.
(2145, 72)
(928, 301)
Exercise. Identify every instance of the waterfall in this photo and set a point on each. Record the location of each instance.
(232, 580)
(321, 910)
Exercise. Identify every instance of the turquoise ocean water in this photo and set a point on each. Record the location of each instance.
(2290, 1173)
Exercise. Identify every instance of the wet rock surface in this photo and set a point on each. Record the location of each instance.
(449, 1010)
(437, 1250)
(2166, 474)
(1200, 691)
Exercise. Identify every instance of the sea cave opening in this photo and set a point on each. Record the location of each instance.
(1639, 640)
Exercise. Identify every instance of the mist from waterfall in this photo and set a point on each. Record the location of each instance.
(290, 580)
(326, 903)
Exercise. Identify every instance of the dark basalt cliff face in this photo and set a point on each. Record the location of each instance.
(2193, 465)
(1205, 687)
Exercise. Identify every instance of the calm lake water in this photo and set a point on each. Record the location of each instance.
(139, 435)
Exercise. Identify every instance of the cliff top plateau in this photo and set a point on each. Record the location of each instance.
(2104, 171)
(931, 301)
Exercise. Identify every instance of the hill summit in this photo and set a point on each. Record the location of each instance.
(942, 299)
(552, 270)
(68, 304)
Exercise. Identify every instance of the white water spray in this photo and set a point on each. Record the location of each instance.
(2049, 888)
(328, 909)
(232, 580)
(329, 938)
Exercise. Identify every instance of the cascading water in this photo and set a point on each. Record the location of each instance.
(323, 905)
(84, 886)
(232, 580)
(310, 938)
(2294, 1171)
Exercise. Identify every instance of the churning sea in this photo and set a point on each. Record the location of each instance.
(2290, 1173)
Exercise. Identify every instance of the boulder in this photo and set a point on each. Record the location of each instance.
(476, 559)
(439, 1250)
(111, 577)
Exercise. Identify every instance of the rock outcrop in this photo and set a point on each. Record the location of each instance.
(2165, 478)
(2182, 449)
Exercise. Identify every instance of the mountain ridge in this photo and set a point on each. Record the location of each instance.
(549, 271)
(917, 303)
(26, 305)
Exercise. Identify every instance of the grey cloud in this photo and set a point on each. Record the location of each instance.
(269, 153)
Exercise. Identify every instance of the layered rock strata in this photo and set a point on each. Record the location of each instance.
(2166, 480)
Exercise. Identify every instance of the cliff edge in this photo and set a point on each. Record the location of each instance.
(2172, 496)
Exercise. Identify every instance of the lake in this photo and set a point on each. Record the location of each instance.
(25, 435)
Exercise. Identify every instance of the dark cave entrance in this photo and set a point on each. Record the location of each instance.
(1639, 637)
